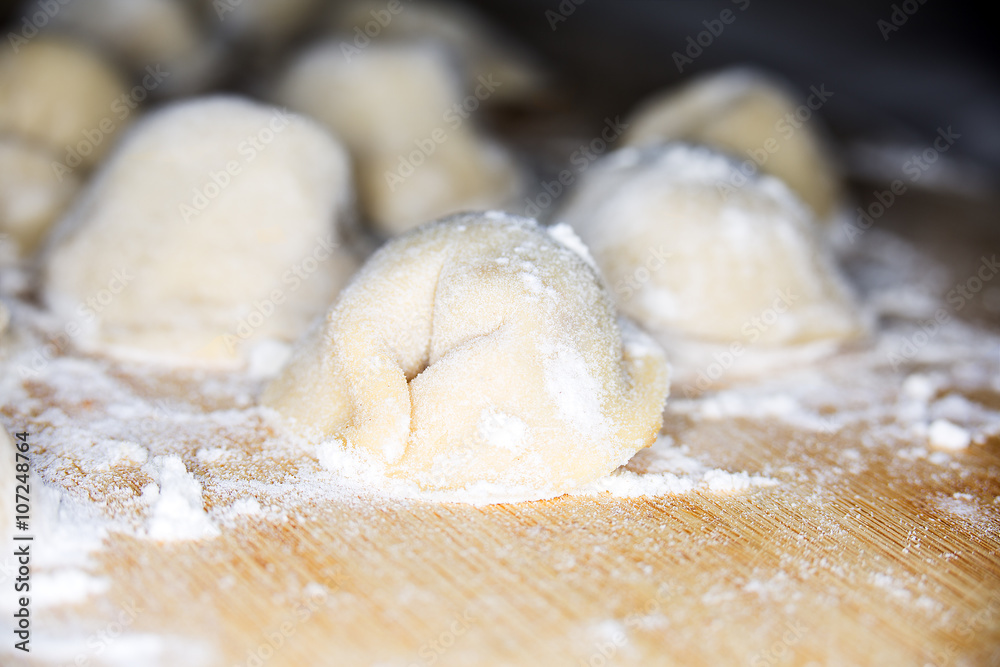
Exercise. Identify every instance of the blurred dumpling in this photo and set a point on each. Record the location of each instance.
(754, 118)
(400, 110)
(692, 261)
(163, 36)
(478, 352)
(215, 225)
(479, 49)
(62, 97)
(32, 194)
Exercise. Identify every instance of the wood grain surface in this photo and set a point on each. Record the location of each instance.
(836, 564)
(858, 555)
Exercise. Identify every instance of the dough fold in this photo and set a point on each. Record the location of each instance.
(478, 350)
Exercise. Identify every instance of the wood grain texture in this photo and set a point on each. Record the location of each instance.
(859, 555)
(833, 565)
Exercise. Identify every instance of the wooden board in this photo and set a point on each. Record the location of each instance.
(858, 555)
(832, 565)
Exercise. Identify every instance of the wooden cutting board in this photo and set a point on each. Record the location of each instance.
(875, 563)
(857, 555)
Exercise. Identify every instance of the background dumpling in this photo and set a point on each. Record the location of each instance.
(753, 117)
(399, 108)
(690, 256)
(215, 225)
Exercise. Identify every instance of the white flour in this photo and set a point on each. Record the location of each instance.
(128, 449)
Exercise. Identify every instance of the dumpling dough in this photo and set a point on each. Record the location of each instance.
(393, 105)
(216, 224)
(478, 350)
(32, 195)
(743, 112)
(480, 50)
(163, 35)
(690, 258)
(58, 95)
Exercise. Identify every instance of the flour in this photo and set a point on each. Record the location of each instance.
(177, 504)
(946, 436)
(127, 449)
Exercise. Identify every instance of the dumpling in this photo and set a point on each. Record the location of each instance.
(478, 351)
(32, 196)
(481, 50)
(58, 118)
(159, 37)
(60, 96)
(756, 119)
(400, 110)
(217, 224)
(691, 258)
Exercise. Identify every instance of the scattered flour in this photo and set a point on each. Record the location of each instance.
(946, 436)
(574, 389)
(178, 512)
(563, 233)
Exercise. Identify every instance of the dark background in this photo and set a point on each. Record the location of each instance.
(938, 69)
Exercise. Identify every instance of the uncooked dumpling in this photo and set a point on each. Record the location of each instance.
(150, 36)
(480, 49)
(478, 350)
(394, 105)
(754, 118)
(688, 256)
(60, 96)
(32, 195)
(215, 225)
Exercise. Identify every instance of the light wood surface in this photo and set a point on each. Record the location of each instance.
(833, 565)
(857, 556)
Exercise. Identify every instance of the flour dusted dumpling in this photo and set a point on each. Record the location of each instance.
(400, 110)
(267, 22)
(754, 118)
(480, 49)
(32, 195)
(148, 36)
(63, 98)
(478, 350)
(215, 225)
(689, 259)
